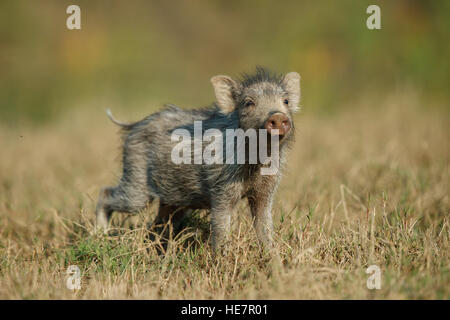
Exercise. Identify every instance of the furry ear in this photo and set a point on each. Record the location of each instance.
(291, 83)
(224, 88)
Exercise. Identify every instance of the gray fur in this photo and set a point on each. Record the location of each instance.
(149, 173)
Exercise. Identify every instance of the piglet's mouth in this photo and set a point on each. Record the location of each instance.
(281, 136)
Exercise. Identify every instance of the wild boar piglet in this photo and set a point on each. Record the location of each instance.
(212, 157)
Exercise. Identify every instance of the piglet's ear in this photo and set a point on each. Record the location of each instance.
(291, 83)
(224, 88)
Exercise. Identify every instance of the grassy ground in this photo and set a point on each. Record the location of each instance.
(364, 186)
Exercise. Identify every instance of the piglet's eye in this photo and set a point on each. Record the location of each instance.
(249, 103)
(286, 101)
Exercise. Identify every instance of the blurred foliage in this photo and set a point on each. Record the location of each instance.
(140, 54)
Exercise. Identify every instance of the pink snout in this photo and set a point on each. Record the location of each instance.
(280, 122)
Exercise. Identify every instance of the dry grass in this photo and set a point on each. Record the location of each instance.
(368, 186)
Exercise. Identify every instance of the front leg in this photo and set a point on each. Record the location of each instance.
(220, 226)
(222, 207)
(260, 199)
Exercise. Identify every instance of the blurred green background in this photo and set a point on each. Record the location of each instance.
(140, 54)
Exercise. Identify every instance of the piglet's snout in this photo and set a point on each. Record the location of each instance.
(280, 122)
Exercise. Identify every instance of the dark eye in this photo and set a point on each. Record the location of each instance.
(249, 103)
(286, 101)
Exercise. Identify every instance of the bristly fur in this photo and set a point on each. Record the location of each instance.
(261, 75)
(149, 171)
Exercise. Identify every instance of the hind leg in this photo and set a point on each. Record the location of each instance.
(102, 212)
(166, 223)
(132, 194)
(168, 213)
(120, 199)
